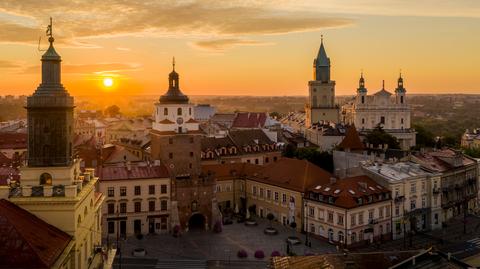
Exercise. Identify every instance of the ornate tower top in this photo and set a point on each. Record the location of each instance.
(173, 95)
(400, 88)
(361, 84)
(321, 65)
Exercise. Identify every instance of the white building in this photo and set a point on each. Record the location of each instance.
(417, 204)
(349, 211)
(137, 199)
(381, 108)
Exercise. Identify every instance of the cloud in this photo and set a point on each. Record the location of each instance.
(9, 65)
(77, 20)
(99, 68)
(223, 44)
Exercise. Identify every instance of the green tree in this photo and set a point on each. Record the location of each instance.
(424, 138)
(378, 136)
(472, 152)
(323, 159)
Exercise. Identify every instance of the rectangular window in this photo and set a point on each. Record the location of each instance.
(111, 208)
(111, 227)
(261, 192)
(284, 198)
(219, 188)
(137, 190)
(413, 187)
(360, 218)
(423, 186)
(353, 219)
(228, 188)
(424, 202)
(311, 211)
(151, 205)
(397, 210)
(123, 191)
(111, 191)
(413, 204)
(371, 215)
(163, 205)
(397, 192)
(123, 208)
(387, 211)
(330, 216)
(170, 155)
(138, 207)
(254, 190)
(340, 219)
(163, 189)
(151, 189)
(269, 194)
(276, 196)
(380, 212)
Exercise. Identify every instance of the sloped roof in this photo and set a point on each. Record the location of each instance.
(27, 241)
(213, 143)
(13, 140)
(351, 140)
(135, 172)
(293, 174)
(249, 120)
(230, 170)
(249, 137)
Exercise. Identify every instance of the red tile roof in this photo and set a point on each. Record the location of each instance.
(136, 172)
(191, 121)
(442, 160)
(293, 174)
(230, 170)
(26, 240)
(13, 140)
(351, 140)
(249, 120)
(346, 191)
(167, 121)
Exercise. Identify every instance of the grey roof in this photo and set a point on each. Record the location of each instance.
(322, 59)
(174, 95)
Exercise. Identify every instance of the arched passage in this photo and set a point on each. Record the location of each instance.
(196, 222)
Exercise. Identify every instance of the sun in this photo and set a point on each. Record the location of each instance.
(108, 82)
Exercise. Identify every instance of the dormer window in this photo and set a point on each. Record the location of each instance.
(46, 179)
(179, 111)
(165, 111)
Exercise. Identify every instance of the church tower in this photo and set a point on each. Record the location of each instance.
(321, 99)
(53, 186)
(361, 91)
(400, 92)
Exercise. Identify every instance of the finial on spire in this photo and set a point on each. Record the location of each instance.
(400, 72)
(361, 73)
(173, 63)
(383, 84)
(49, 32)
(321, 38)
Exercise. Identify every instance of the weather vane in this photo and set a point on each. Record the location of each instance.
(49, 33)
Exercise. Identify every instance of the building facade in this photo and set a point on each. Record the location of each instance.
(349, 212)
(137, 199)
(391, 112)
(415, 194)
(321, 92)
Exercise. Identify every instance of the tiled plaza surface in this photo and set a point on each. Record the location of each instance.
(207, 245)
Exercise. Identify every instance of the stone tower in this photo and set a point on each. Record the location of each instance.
(50, 116)
(321, 97)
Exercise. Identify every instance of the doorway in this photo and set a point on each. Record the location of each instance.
(151, 225)
(137, 226)
(123, 228)
(196, 222)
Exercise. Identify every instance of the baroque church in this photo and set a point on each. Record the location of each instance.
(390, 111)
(176, 142)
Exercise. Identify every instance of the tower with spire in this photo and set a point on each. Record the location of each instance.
(400, 91)
(321, 105)
(53, 185)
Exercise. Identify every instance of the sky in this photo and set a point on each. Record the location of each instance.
(243, 47)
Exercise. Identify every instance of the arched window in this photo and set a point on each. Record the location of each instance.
(79, 219)
(363, 99)
(363, 121)
(85, 212)
(401, 99)
(340, 237)
(46, 179)
(165, 111)
(179, 111)
(189, 111)
(353, 237)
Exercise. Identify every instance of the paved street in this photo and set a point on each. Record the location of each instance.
(206, 245)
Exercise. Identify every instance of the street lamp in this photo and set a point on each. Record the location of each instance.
(305, 214)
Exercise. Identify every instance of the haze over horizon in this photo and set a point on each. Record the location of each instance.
(242, 47)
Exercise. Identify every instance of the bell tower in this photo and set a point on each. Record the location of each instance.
(400, 92)
(321, 98)
(50, 115)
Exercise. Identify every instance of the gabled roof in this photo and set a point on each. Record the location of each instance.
(351, 140)
(136, 172)
(27, 241)
(293, 174)
(249, 137)
(249, 120)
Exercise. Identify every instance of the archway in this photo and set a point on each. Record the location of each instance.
(196, 222)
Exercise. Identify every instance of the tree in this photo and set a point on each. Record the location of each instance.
(424, 138)
(323, 159)
(472, 152)
(378, 136)
(275, 115)
(112, 111)
(270, 217)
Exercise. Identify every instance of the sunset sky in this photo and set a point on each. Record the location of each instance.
(242, 47)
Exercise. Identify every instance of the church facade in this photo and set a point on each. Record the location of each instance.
(176, 142)
(321, 105)
(391, 111)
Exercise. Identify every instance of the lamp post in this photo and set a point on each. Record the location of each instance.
(305, 214)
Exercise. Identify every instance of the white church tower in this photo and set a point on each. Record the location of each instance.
(321, 97)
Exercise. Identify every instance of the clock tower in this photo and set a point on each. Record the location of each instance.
(175, 134)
